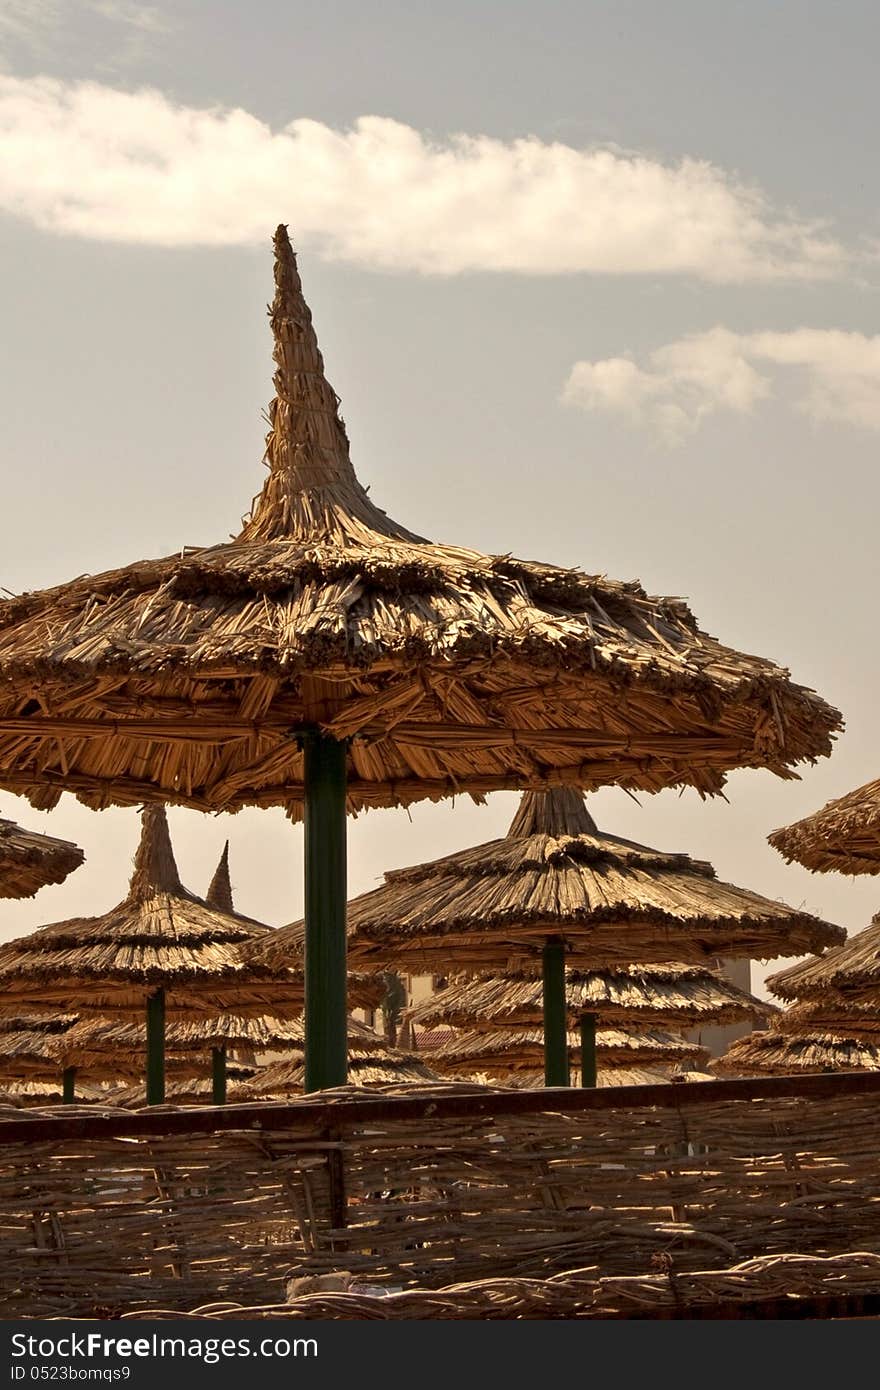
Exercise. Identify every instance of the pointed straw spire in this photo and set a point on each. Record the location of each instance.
(312, 492)
(561, 813)
(155, 868)
(219, 892)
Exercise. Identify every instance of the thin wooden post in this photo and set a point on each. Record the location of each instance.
(326, 1032)
(218, 1075)
(588, 1050)
(68, 1085)
(156, 1048)
(555, 1015)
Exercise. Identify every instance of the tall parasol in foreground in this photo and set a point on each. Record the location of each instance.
(843, 837)
(328, 657)
(557, 885)
(160, 949)
(29, 861)
(671, 995)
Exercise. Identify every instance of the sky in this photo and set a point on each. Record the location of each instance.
(597, 284)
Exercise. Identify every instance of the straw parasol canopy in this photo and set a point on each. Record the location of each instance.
(183, 679)
(851, 971)
(26, 1046)
(511, 1049)
(49, 1091)
(161, 949)
(777, 1053)
(29, 861)
(844, 837)
(160, 936)
(611, 901)
(371, 1063)
(189, 1090)
(679, 995)
(330, 658)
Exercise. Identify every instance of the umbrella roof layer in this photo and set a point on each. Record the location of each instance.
(116, 1048)
(830, 1016)
(92, 1039)
(843, 837)
(193, 1090)
(159, 935)
(35, 1091)
(851, 968)
(490, 908)
(520, 1047)
(370, 1062)
(27, 1045)
(612, 1076)
(29, 861)
(777, 1053)
(684, 996)
(185, 679)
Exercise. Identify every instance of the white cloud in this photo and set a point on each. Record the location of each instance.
(88, 160)
(833, 376)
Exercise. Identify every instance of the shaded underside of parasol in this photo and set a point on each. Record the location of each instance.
(489, 909)
(843, 837)
(29, 861)
(188, 678)
(780, 1052)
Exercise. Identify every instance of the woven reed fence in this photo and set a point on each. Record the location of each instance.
(108, 1213)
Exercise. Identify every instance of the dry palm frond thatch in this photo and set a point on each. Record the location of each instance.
(489, 909)
(29, 861)
(183, 679)
(681, 995)
(777, 1053)
(843, 837)
(159, 936)
(510, 1049)
(852, 969)
(371, 1062)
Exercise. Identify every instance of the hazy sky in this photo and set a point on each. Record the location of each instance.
(597, 283)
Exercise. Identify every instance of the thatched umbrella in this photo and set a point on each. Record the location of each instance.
(504, 1050)
(556, 883)
(27, 1054)
(849, 972)
(29, 861)
(329, 657)
(833, 1022)
(34, 1090)
(185, 1087)
(679, 996)
(843, 837)
(162, 948)
(819, 1049)
(371, 1062)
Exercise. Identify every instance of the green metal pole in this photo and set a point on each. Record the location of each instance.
(326, 1034)
(156, 1048)
(555, 1020)
(588, 1050)
(218, 1075)
(68, 1085)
